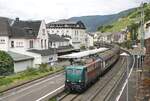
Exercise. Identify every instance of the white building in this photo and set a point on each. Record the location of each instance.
(56, 41)
(89, 40)
(28, 38)
(74, 31)
(120, 37)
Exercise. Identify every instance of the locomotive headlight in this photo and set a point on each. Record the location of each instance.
(67, 80)
(79, 80)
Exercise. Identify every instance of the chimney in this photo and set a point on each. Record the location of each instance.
(17, 19)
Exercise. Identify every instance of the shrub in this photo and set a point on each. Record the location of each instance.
(51, 68)
(43, 67)
(6, 64)
(31, 71)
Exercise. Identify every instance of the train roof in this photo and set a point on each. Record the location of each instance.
(74, 66)
(84, 53)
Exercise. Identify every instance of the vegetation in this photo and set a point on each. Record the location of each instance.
(131, 20)
(83, 47)
(6, 64)
(25, 76)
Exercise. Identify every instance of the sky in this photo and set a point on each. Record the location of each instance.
(52, 10)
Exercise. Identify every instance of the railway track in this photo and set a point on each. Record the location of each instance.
(98, 87)
(69, 97)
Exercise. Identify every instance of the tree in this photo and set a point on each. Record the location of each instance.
(6, 64)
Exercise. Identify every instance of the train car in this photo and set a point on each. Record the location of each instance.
(86, 70)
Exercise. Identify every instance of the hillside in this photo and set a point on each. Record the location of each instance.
(93, 22)
(133, 18)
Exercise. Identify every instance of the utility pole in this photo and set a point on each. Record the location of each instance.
(142, 26)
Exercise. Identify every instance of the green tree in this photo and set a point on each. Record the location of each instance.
(6, 64)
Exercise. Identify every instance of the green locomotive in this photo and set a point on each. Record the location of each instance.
(85, 70)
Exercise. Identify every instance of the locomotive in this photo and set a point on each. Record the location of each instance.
(86, 69)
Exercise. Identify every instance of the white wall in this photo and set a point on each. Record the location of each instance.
(49, 59)
(19, 45)
(77, 35)
(22, 65)
(4, 43)
(42, 36)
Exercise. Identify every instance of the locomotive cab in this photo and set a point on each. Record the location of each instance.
(75, 77)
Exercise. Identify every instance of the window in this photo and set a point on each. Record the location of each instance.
(12, 44)
(43, 31)
(50, 44)
(41, 43)
(2, 41)
(54, 44)
(69, 71)
(78, 71)
(45, 43)
(31, 43)
(19, 44)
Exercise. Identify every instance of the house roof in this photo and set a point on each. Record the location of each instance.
(25, 29)
(65, 48)
(4, 27)
(56, 38)
(66, 24)
(45, 52)
(19, 29)
(19, 57)
(63, 21)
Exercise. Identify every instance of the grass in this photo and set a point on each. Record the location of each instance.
(53, 99)
(25, 76)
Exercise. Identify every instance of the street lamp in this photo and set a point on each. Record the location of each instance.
(127, 67)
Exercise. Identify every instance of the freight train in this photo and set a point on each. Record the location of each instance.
(86, 69)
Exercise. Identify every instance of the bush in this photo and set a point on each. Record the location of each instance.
(43, 67)
(6, 64)
(51, 68)
(31, 71)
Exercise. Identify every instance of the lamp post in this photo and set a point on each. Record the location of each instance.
(127, 67)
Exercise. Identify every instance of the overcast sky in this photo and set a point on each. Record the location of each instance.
(60, 9)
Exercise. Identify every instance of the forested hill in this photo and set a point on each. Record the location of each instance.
(132, 20)
(93, 22)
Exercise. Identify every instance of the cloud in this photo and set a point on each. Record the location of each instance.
(59, 9)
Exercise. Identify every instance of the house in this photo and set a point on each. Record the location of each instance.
(120, 37)
(29, 38)
(106, 37)
(61, 44)
(73, 30)
(55, 41)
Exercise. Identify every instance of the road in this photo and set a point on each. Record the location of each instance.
(36, 91)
